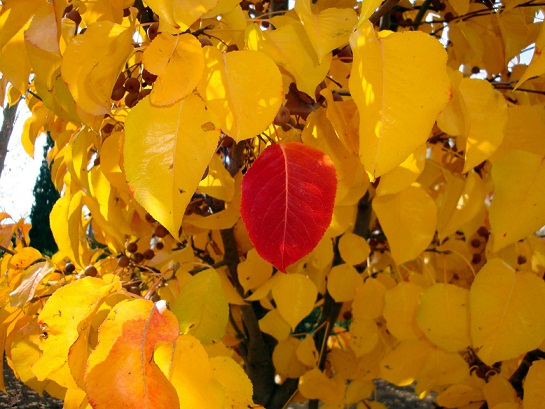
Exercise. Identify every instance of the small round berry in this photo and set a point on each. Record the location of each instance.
(69, 268)
(138, 258)
(282, 116)
(153, 30)
(160, 231)
(90, 271)
(123, 261)
(149, 254)
(132, 247)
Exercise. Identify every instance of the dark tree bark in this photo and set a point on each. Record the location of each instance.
(5, 132)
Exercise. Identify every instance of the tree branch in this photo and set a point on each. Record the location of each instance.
(382, 10)
(6, 130)
(258, 356)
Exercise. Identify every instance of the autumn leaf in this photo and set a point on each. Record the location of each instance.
(186, 365)
(65, 317)
(178, 63)
(506, 307)
(411, 210)
(515, 176)
(443, 315)
(290, 48)
(181, 16)
(245, 104)
(121, 371)
(404, 64)
(290, 186)
(92, 63)
(202, 308)
(32, 278)
(327, 29)
(169, 144)
(533, 385)
(295, 295)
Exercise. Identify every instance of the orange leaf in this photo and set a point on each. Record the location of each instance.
(121, 372)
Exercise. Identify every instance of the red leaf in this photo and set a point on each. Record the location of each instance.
(287, 201)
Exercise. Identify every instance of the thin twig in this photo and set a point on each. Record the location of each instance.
(382, 10)
(6, 250)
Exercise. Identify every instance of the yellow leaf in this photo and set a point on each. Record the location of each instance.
(253, 271)
(236, 385)
(224, 219)
(485, 114)
(32, 278)
(533, 386)
(515, 178)
(460, 6)
(499, 390)
(403, 65)
(506, 309)
(65, 317)
(24, 258)
(459, 395)
(464, 199)
(402, 365)
(403, 175)
(343, 281)
(233, 297)
(358, 390)
(24, 353)
(443, 316)
(524, 125)
(66, 226)
(319, 133)
(100, 10)
(14, 63)
(285, 359)
(172, 145)
(218, 182)
(33, 127)
(202, 308)
(400, 308)
(223, 7)
(368, 7)
(178, 62)
(264, 289)
(273, 324)
(411, 211)
(353, 248)
(439, 369)
(186, 365)
(295, 295)
(245, 104)
(306, 352)
(364, 336)
(344, 118)
(344, 362)
(181, 15)
(327, 29)
(316, 385)
(92, 63)
(14, 15)
(124, 356)
(291, 49)
(537, 65)
(369, 300)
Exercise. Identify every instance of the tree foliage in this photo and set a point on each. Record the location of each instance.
(45, 196)
(262, 205)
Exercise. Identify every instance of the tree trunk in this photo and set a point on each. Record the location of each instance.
(5, 132)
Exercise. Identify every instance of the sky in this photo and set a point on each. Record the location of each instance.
(20, 170)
